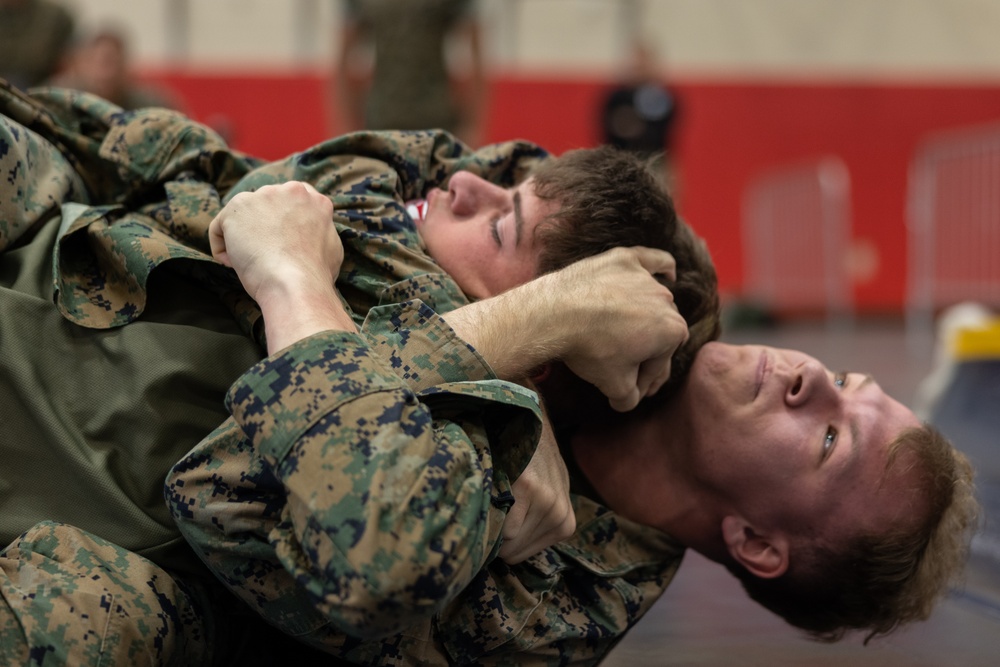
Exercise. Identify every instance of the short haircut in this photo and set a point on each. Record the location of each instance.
(879, 581)
(609, 198)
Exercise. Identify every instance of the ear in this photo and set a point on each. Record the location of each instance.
(765, 555)
(541, 374)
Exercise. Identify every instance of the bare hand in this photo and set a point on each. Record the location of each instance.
(606, 317)
(629, 326)
(282, 242)
(542, 513)
(276, 234)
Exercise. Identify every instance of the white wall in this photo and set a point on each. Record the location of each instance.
(840, 37)
(145, 22)
(854, 38)
(220, 34)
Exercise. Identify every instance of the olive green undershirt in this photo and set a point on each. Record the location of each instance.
(91, 420)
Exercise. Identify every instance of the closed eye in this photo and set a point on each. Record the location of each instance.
(495, 230)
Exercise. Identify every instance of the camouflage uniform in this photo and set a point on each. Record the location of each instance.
(355, 498)
(101, 604)
(411, 88)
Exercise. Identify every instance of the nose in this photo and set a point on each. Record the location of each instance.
(469, 194)
(809, 384)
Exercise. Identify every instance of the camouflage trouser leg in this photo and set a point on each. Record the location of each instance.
(35, 179)
(70, 598)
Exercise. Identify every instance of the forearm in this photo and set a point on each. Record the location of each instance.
(517, 331)
(388, 512)
(385, 529)
(364, 471)
(311, 505)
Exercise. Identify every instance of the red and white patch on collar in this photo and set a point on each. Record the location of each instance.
(417, 208)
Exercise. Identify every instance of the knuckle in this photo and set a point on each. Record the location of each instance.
(616, 387)
(510, 531)
(625, 404)
(618, 398)
(621, 253)
(525, 484)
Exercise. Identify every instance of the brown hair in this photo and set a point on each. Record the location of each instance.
(610, 198)
(880, 581)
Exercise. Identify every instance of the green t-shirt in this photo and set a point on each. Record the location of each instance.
(93, 419)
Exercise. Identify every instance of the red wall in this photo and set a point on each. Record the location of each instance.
(734, 130)
(728, 131)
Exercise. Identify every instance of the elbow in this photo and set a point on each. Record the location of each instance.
(392, 580)
(372, 612)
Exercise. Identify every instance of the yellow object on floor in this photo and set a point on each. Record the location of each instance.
(977, 342)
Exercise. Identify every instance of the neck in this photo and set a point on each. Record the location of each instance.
(642, 470)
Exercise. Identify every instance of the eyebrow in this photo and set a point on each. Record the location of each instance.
(518, 218)
(853, 426)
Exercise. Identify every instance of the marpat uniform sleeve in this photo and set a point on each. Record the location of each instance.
(385, 500)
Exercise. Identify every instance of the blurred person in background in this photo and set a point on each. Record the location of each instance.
(640, 113)
(34, 39)
(411, 85)
(99, 64)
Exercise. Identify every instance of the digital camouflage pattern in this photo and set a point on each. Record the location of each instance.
(355, 499)
(107, 606)
(72, 599)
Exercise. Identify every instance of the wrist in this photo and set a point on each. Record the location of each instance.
(551, 312)
(294, 309)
